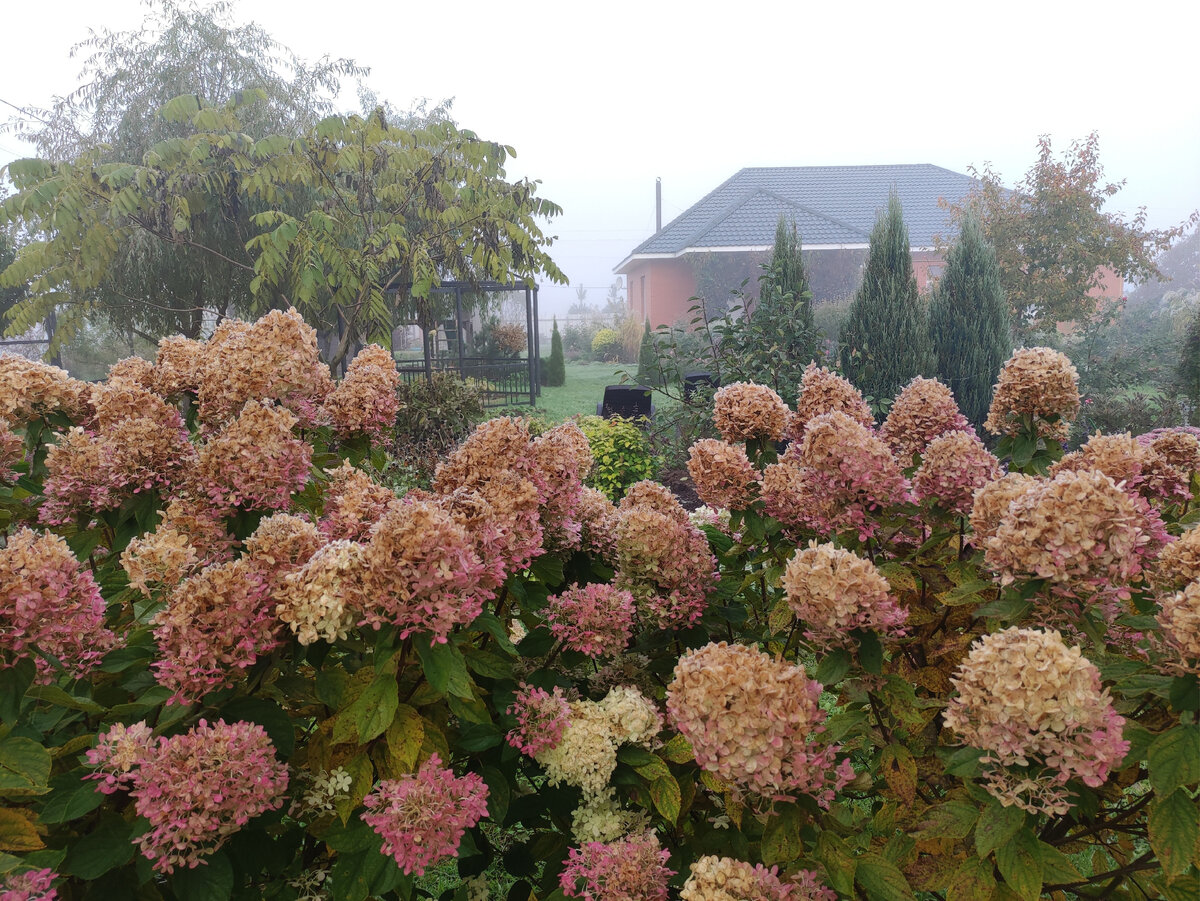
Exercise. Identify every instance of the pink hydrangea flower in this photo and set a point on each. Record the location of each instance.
(632, 869)
(541, 717)
(196, 789)
(31, 885)
(595, 620)
(422, 817)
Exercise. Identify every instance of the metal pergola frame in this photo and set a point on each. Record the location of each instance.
(533, 363)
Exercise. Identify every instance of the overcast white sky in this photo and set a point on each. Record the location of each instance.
(600, 98)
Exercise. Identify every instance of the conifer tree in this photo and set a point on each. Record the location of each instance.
(556, 366)
(649, 372)
(969, 322)
(885, 341)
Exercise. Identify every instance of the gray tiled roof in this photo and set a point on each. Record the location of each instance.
(830, 205)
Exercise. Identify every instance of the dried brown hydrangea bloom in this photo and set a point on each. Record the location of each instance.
(1078, 530)
(353, 503)
(1127, 461)
(745, 411)
(954, 466)
(722, 473)
(12, 451)
(1036, 383)
(1180, 449)
(283, 540)
(654, 496)
(822, 391)
(715, 878)
(1179, 562)
(992, 501)
(924, 410)
(365, 401)
(1180, 622)
(498, 444)
(133, 369)
(598, 518)
(833, 591)
(273, 359)
(179, 362)
(187, 539)
(31, 389)
(787, 496)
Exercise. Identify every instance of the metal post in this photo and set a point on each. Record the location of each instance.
(459, 325)
(537, 343)
(529, 341)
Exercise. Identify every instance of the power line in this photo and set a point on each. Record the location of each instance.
(21, 109)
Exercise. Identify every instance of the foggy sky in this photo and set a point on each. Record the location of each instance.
(599, 99)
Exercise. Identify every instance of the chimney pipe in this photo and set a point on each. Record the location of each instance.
(657, 205)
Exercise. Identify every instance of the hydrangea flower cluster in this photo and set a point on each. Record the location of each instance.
(715, 878)
(422, 817)
(598, 525)
(953, 467)
(422, 572)
(662, 559)
(595, 620)
(833, 591)
(601, 818)
(1179, 619)
(1029, 701)
(365, 401)
(282, 543)
(29, 885)
(50, 603)
(177, 366)
(921, 412)
(630, 870)
(196, 789)
(563, 458)
(137, 370)
(353, 504)
(30, 389)
(849, 475)
(273, 359)
(1179, 562)
(186, 540)
(751, 721)
(254, 462)
(542, 718)
(1179, 446)
(1131, 464)
(992, 501)
(744, 411)
(1038, 386)
(822, 391)
(1078, 531)
(319, 600)
(12, 452)
(214, 625)
(722, 473)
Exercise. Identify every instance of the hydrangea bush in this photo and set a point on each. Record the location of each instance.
(885, 662)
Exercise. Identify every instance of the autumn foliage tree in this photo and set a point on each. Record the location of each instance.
(1054, 240)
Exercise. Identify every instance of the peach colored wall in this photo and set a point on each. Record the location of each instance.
(660, 290)
(1111, 286)
(923, 262)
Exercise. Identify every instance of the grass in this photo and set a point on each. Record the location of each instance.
(584, 389)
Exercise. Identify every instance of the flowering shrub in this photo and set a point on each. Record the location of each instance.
(882, 665)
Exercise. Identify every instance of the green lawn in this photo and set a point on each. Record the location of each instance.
(583, 390)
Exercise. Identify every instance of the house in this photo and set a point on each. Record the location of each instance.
(722, 240)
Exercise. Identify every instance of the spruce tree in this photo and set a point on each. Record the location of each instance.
(649, 372)
(556, 366)
(969, 322)
(885, 341)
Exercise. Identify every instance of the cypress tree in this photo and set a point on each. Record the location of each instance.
(885, 341)
(649, 372)
(1187, 372)
(969, 322)
(556, 366)
(781, 336)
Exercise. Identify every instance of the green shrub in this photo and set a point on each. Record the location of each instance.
(621, 452)
(607, 344)
(434, 416)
